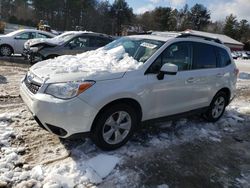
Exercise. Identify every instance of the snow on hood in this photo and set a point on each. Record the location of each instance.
(52, 41)
(98, 64)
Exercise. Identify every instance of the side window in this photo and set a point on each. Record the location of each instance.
(41, 35)
(26, 36)
(99, 42)
(222, 57)
(79, 42)
(204, 56)
(178, 54)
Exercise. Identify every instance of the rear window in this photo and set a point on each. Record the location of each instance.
(223, 57)
(41, 35)
(99, 41)
(204, 56)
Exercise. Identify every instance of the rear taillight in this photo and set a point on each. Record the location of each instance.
(236, 72)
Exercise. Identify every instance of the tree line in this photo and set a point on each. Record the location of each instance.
(104, 17)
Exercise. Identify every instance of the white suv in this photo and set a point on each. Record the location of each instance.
(108, 92)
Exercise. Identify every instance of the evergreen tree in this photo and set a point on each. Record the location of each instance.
(122, 14)
(231, 25)
(199, 17)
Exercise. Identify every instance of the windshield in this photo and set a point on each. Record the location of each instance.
(64, 37)
(140, 49)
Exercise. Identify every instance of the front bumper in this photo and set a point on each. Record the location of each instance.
(61, 117)
(33, 57)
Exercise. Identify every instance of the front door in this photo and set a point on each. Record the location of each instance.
(175, 93)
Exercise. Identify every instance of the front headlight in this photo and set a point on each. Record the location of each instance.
(68, 90)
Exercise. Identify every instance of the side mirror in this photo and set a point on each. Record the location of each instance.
(18, 37)
(169, 69)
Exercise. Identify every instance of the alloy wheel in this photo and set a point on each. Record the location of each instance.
(5, 51)
(218, 107)
(117, 127)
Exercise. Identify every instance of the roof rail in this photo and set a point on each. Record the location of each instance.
(186, 35)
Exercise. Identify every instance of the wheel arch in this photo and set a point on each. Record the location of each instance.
(5, 44)
(129, 101)
(227, 92)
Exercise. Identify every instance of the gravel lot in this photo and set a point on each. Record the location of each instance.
(183, 153)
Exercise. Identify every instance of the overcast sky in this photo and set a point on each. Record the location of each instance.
(219, 8)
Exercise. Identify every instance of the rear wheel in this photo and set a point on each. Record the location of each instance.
(6, 50)
(114, 126)
(217, 107)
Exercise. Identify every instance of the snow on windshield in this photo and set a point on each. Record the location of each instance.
(114, 60)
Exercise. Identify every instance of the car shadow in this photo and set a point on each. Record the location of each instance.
(14, 60)
(174, 128)
(150, 139)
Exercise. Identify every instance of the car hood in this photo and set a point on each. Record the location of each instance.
(50, 42)
(94, 65)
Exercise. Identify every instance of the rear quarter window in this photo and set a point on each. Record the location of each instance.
(204, 56)
(223, 57)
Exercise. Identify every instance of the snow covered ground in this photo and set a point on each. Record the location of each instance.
(182, 153)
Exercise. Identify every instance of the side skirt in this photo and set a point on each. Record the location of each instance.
(177, 116)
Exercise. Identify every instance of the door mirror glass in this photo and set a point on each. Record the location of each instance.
(18, 37)
(167, 68)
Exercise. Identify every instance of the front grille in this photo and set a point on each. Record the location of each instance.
(33, 87)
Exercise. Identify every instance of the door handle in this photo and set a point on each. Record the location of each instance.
(219, 75)
(190, 80)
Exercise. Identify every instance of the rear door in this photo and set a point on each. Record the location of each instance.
(207, 73)
(78, 44)
(20, 39)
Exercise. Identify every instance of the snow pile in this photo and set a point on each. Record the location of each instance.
(9, 156)
(78, 169)
(103, 164)
(100, 60)
(69, 172)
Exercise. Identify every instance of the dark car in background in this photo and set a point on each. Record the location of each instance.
(55, 40)
(77, 43)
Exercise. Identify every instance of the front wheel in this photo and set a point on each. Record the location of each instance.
(5, 50)
(217, 107)
(114, 126)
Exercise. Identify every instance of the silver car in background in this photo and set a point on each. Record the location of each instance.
(13, 42)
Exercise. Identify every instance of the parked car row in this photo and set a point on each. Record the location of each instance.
(241, 54)
(69, 43)
(36, 45)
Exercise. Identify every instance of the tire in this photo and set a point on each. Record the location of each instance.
(107, 133)
(6, 50)
(217, 107)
